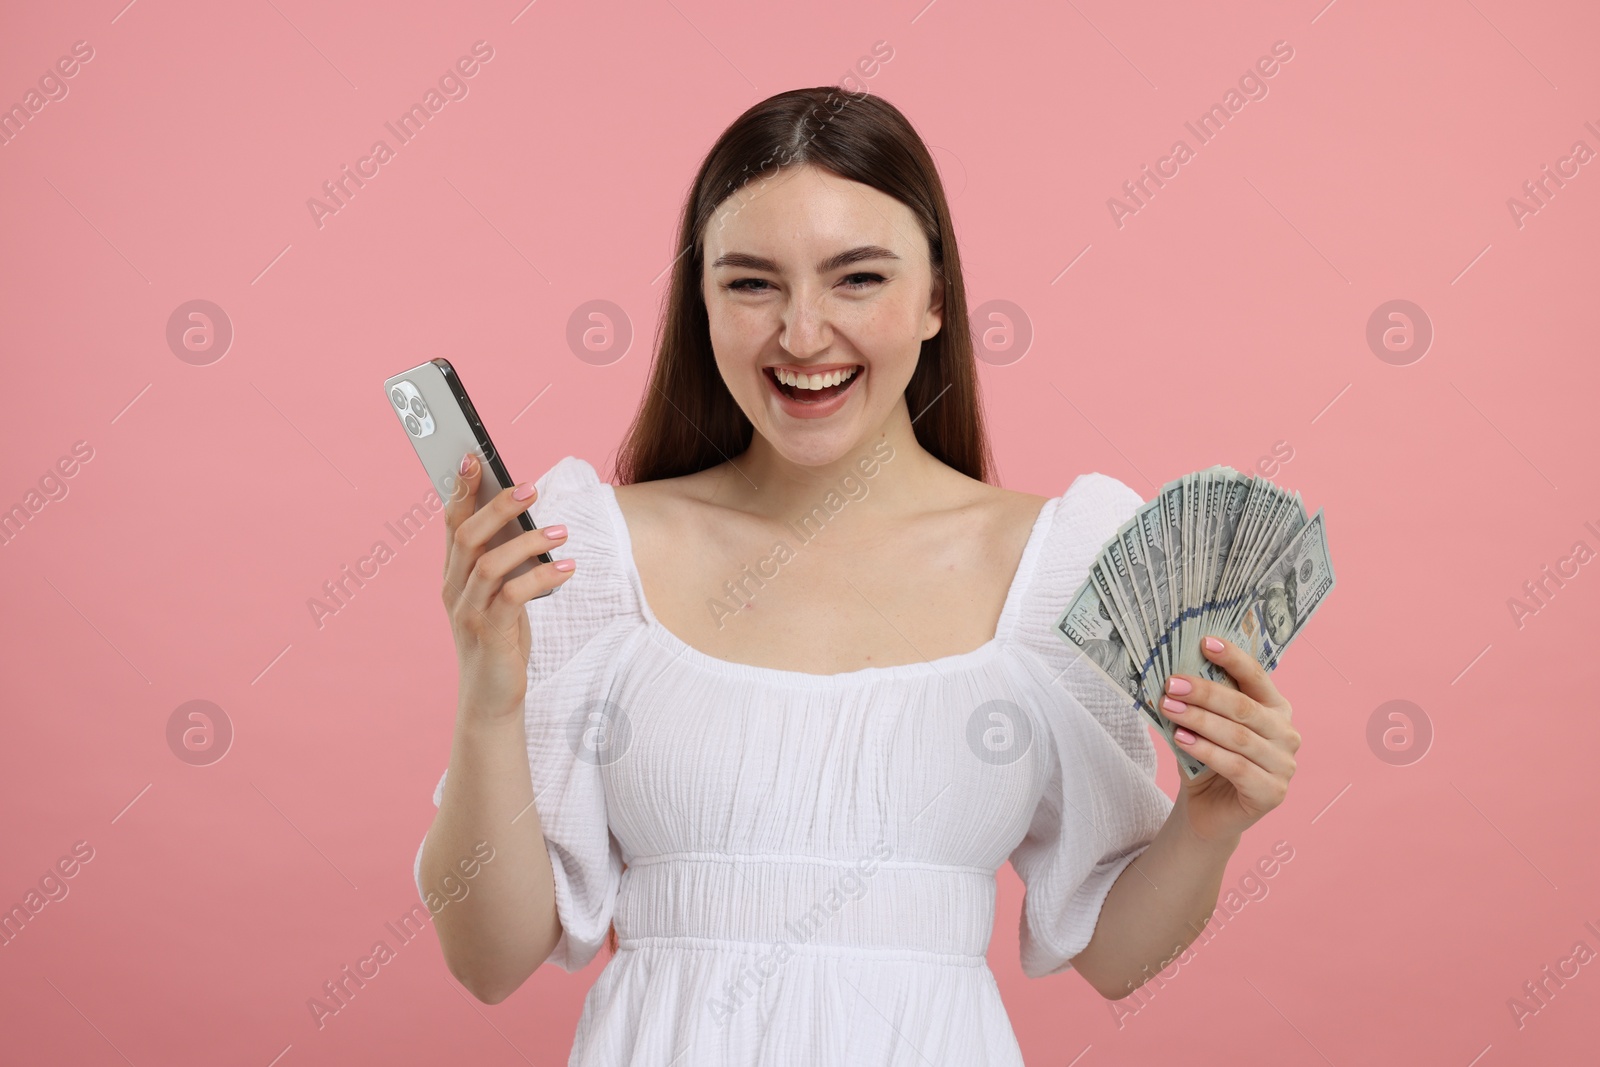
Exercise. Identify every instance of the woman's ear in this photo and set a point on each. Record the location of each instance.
(933, 320)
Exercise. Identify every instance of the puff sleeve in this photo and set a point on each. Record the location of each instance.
(576, 632)
(1100, 806)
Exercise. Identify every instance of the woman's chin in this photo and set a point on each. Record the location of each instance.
(817, 444)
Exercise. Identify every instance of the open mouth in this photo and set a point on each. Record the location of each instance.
(814, 388)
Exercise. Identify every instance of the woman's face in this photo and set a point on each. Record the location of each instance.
(812, 273)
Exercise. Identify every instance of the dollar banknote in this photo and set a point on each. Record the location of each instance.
(1284, 599)
(1215, 552)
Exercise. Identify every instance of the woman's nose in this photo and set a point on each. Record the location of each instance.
(806, 329)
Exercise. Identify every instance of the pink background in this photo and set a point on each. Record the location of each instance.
(1229, 314)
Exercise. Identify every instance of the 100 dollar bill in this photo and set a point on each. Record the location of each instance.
(1262, 620)
(1283, 601)
(1087, 626)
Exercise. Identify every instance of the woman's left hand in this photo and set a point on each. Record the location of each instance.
(1242, 735)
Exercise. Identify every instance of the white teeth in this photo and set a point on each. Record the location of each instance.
(814, 381)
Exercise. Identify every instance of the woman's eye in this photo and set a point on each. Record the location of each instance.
(861, 280)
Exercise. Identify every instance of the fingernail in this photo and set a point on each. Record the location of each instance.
(554, 531)
(466, 464)
(523, 491)
(1174, 707)
(1183, 736)
(1212, 644)
(1178, 686)
(565, 564)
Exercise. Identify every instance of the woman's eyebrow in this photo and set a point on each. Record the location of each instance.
(832, 263)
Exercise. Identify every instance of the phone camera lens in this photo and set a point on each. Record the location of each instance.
(418, 408)
(398, 395)
(413, 426)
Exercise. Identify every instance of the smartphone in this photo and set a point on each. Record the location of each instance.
(438, 416)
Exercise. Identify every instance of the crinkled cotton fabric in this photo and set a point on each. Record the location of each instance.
(811, 859)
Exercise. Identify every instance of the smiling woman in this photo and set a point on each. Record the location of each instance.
(699, 795)
(866, 159)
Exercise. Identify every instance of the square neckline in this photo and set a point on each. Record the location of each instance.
(1004, 625)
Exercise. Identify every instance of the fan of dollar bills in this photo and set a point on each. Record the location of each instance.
(1216, 553)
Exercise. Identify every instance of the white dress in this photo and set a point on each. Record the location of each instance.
(811, 858)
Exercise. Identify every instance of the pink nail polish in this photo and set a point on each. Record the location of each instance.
(1183, 735)
(1178, 686)
(553, 531)
(466, 464)
(565, 564)
(522, 492)
(1173, 707)
(1212, 644)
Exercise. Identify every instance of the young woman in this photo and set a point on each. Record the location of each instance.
(795, 697)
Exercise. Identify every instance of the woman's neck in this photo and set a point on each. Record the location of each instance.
(889, 465)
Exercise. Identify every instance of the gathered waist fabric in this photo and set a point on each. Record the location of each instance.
(867, 907)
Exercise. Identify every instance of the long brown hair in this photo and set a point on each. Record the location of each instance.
(687, 420)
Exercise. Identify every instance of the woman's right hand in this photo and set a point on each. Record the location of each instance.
(488, 614)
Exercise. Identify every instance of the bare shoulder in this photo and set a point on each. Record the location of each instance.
(1012, 506)
(1007, 516)
(642, 503)
(647, 498)
(666, 505)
